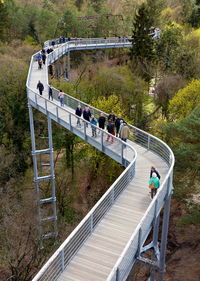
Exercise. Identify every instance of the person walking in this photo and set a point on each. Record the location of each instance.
(154, 184)
(39, 59)
(93, 122)
(87, 114)
(78, 112)
(117, 124)
(111, 117)
(50, 93)
(153, 169)
(101, 121)
(61, 97)
(43, 58)
(111, 130)
(120, 128)
(125, 132)
(40, 87)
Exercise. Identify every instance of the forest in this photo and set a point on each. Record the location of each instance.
(154, 85)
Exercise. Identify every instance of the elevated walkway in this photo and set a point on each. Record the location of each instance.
(108, 241)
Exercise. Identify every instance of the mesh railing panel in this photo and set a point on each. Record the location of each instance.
(77, 241)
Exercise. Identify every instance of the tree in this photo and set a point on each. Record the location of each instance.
(194, 18)
(142, 51)
(185, 101)
(142, 48)
(165, 89)
(168, 47)
(184, 138)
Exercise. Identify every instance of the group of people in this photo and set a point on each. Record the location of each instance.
(40, 88)
(115, 126)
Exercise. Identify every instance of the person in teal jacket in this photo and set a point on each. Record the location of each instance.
(154, 180)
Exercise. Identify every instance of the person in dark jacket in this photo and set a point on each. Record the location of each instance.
(50, 93)
(153, 170)
(111, 130)
(111, 117)
(40, 87)
(117, 124)
(101, 121)
(78, 113)
(86, 114)
(43, 58)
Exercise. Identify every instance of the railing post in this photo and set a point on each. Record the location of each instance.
(91, 223)
(45, 106)
(139, 242)
(122, 153)
(102, 147)
(57, 113)
(62, 260)
(117, 274)
(149, 140)
(36, 99)
(70, 122)
(84, 127)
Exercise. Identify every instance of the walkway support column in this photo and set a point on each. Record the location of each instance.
(49, 219)
(165, 226)
(35, 169)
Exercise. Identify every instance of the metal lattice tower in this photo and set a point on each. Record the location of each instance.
(49, 220)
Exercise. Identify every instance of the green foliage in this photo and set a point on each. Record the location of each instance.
(97, 5)
(142, 51)
(112, 103)
(194, 18)
(168, 46)
(4, 22)
(185, 101)
(184, 138)
(192, 217)
(142, 48)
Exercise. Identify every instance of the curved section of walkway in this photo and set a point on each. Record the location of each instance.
(105, 244)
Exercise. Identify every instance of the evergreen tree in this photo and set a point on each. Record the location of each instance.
(184, 138)
(142, 52)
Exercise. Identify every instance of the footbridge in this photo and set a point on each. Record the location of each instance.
(112, 236)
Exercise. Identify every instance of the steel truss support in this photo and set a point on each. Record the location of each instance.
(157, 261)
(44, 204)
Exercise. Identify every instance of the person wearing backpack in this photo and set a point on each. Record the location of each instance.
(154, 184)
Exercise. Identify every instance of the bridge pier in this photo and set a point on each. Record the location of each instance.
(157, 261)
(46, 207)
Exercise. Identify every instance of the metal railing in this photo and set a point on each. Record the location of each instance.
(57, 263)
